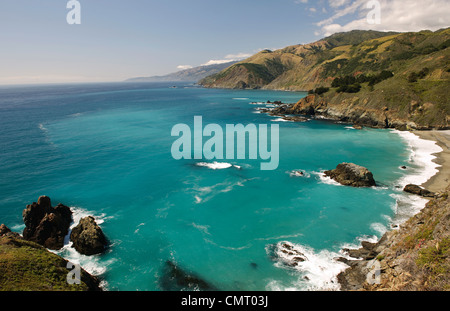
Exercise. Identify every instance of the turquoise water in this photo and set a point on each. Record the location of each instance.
(105, 150)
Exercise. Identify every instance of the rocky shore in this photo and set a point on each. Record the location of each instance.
(356, 110)
(26, 264)
(414, 257)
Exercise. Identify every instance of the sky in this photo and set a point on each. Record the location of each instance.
(121, 39)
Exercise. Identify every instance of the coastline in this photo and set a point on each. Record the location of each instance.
(441, 180)
(398, 254)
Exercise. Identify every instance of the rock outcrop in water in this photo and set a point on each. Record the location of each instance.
(46, 225)
(287, 254)
(414, 189)
(176, 279)
(414, 258)
(28, 266)
(88, 238)
(349, 174)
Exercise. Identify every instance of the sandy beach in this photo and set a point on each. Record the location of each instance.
(441, 180)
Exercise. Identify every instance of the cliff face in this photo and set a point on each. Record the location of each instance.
(362, 75)
(416, 257)
(364, 109)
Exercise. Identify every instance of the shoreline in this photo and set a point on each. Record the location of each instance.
(390, 250)
(441, 179)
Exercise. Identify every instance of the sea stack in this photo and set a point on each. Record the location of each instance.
(46, 225)
(349, 174)
(88, 238)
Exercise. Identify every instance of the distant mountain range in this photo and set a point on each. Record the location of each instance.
(188, 75)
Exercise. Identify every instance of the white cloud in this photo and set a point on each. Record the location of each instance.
(396, 15)
(184, 67)
(337, 3)
(238, 56)
(228, 58)
(216, 62)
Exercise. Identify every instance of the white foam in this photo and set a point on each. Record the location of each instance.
(318, 272)
(326, 179)
(379, 228)
(92, 264)
(280, 120)
(406, 205)
(75, 115)
(298, 173)
(217, 165)
(43, 128)
(422, 155)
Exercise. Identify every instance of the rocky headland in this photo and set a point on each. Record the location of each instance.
(414, 257)
(26, 264)
(29, 266)
(369, 78)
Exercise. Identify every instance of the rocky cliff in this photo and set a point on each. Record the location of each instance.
(28, 266)
(374, 78)
(414, 257)
(362, 110)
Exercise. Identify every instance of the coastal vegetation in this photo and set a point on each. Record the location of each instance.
(416, 257)
(406, 74)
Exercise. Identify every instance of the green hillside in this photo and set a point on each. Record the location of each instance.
(404, 73)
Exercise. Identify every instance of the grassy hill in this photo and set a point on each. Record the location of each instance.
(406, 74)
(27, 266)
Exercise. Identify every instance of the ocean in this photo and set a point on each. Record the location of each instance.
(105, 150)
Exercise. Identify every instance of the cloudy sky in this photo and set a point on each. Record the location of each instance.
(119, 39)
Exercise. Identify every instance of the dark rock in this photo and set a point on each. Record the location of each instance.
(414, 189)
(287, 254)
(4, 230)
(295, 118)
(241, 85)
(352, 279)
(176, 279)
(7, 233)
(349, 174)
(46, 225)
(88, 238)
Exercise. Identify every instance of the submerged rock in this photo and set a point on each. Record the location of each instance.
(287, 254)
(46, 225)
(176, 279)
(88, 238)
(349, 174)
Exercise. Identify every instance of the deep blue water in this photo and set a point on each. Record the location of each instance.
(105, 150)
